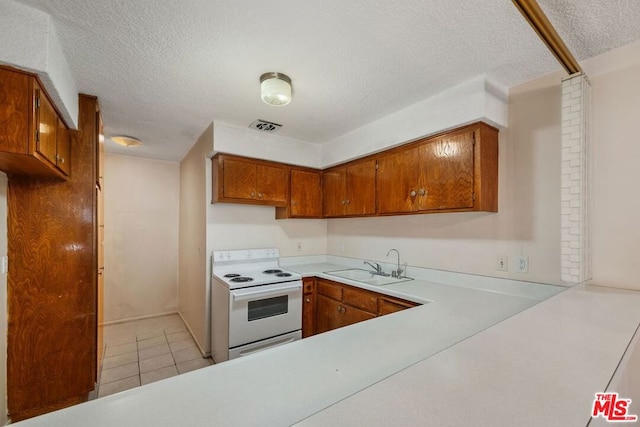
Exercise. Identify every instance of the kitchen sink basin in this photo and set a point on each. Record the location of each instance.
(366, 276)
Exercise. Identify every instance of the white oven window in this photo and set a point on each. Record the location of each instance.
(267, 307)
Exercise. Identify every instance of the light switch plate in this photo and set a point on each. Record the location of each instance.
(502, 263)
(5, 264)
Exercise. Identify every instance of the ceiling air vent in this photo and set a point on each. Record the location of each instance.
(265, 126)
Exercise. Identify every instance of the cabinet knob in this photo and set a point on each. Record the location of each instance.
(253, 194)
(61, 159)
(422, 192)
(307, 300)
(347, 201)
(260, 195)
(293, 203)
(413, 193)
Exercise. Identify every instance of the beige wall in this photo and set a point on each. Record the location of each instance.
(528, 221)
(3, 301)
(615, 176)
(240, 227)
(141, 237)
(193, 287)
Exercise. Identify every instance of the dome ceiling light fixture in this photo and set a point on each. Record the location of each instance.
(275, 89)
(126, 141)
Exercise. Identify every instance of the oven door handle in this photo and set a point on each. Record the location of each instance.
(253, 295)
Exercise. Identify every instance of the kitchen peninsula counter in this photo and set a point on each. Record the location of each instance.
(442, 363)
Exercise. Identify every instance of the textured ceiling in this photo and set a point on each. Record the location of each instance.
(164, 69)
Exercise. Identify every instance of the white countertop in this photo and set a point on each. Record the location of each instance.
(404, 368)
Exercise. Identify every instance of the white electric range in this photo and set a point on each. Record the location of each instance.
(255, 304)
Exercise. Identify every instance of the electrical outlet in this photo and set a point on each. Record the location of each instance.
(522, 264)
(502, 263)
(5, 264)
(299, 246)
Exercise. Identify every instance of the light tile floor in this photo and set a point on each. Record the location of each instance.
(144, 351)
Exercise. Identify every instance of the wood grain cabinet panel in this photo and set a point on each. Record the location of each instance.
(34, 140)
(308, 307)
(249, 181)
(305, 200)
(453, 172)
(398, 181)
(350, 190)
(52, 283)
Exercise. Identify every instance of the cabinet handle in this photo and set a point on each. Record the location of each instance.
(423, 192)
(413, 193)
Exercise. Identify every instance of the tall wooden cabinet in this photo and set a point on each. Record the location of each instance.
(52, 283)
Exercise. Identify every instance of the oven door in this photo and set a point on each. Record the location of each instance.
(264, 311)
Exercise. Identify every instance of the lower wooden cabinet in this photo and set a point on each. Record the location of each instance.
(308, 307)
(338, 305)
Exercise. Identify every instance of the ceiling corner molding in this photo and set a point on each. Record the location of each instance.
(532, 12)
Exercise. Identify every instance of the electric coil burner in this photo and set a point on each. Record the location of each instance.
(255, 304)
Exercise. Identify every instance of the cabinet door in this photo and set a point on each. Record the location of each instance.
(15, 106)
(448, 175)
(351, 315)
(391, 305)
(361, 299)
(306, 194)
(272, 184)
(63, 143)
(361, 188)
(328, 314)
(239, 179)
(308, 315)
(47, 122)
(334, 192)
(398, 181)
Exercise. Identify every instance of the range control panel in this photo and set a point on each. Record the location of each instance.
(248, 255)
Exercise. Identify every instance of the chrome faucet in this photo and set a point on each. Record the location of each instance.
(377, 267)
(398, 271)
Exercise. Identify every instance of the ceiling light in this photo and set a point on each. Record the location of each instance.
(275, 89)
(126, 141)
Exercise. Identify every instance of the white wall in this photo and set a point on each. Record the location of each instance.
(28, 41)
(479, 99)
(141, 198)
(3, 301)
(244, 141)
(193, 282)
(615, 178)
(528, 221)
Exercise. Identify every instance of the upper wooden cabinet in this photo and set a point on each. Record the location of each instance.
(243, 180)
(34, 140)
(350, 190)
(457, 171)
(305, 200)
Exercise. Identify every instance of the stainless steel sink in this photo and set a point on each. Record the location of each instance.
(366, 276)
